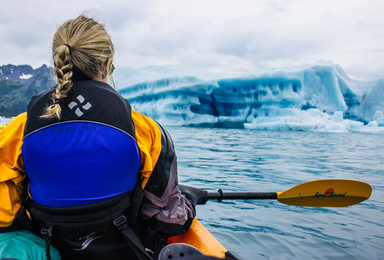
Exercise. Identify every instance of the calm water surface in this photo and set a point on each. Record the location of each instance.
(247, 160)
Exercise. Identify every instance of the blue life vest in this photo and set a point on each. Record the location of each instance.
(87, 157)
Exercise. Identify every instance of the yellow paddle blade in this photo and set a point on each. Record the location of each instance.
(326, 193)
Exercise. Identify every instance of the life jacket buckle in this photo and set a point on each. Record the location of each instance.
(46, 232)
(120, 222)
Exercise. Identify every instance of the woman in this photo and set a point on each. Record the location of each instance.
(89, 156)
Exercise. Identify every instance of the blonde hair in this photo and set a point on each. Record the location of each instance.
(79, 45)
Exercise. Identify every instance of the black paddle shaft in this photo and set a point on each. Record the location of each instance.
(220, 195)
(202, 196)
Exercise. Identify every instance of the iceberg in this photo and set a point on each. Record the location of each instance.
(4, 120)
(310, 97)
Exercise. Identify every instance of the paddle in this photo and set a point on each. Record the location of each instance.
(319, 193)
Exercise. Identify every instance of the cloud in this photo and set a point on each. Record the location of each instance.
(215, 35)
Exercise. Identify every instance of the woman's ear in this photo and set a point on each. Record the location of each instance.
(105, 72)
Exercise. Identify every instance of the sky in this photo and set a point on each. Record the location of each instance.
(211, 35)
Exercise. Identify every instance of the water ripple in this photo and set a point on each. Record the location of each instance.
(248, 160)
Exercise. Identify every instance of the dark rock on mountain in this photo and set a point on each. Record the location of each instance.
(19, 83)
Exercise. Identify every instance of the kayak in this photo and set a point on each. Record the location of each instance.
(200, 238)
(198, 241)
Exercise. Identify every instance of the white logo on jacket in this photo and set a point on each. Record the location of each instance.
(78, 110)
(88, 239)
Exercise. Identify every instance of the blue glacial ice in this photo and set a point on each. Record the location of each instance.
(312, 97)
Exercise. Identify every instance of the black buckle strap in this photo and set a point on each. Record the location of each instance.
(120, 222)
(132, 239)
(46, 233)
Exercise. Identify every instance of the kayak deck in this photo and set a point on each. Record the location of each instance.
(199, 237)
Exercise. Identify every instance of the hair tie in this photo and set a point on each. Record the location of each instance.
(56, 101)
(69, 47)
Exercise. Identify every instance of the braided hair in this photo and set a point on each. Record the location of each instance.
(81, 49)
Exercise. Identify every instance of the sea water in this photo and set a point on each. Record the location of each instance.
(251, 160)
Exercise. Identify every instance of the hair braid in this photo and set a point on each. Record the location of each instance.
(63, 72)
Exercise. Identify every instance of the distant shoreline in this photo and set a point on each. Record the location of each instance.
(5, 120)
(7, 116)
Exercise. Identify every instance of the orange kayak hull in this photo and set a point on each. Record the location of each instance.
(199, 237)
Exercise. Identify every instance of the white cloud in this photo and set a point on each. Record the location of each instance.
(216, 35)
